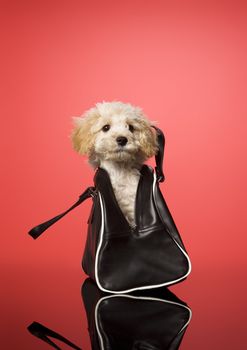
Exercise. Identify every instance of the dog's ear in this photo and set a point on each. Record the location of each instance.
(148, 139)
(81, 136)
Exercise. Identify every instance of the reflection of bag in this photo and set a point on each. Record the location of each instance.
(150, 320)
(122, 259)
(145, 320)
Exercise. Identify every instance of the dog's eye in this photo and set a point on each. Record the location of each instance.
(131, 128)
(106, 127)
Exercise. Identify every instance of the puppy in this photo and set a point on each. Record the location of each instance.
(117, 137)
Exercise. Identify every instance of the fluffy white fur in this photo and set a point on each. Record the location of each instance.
(117, 137)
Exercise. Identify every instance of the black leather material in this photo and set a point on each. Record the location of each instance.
(141, 321)
(126, 259)
(159, 157)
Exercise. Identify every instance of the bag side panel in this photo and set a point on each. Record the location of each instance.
(94, 224)
(166, 216)
(136, 262)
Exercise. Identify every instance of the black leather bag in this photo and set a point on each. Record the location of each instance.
(146, 320)
(122, 259)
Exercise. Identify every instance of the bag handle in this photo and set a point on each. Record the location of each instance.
(159, 157)
(42, 332)
(36, 231)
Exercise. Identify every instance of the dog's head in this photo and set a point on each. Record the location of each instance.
(114, 131)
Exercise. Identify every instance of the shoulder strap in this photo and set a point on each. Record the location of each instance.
(159, 158)
(36, 231)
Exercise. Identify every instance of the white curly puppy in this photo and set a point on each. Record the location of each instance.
(117, 137)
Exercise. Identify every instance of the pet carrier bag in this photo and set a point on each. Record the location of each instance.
(119, 258)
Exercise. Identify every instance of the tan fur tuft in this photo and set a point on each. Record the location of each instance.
(82, 136)
(148, 139)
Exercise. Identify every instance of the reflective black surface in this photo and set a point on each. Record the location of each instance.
(147, 320)
(51, 296)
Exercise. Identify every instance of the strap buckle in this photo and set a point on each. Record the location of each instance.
(93, 192)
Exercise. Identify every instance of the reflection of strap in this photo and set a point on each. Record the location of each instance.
(160, 155)
(42, 332)
(36, 231)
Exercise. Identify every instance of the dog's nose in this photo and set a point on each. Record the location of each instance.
(121, 140)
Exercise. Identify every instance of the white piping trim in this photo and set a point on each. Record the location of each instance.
(136, 288)
(100, 243)
(140, 298)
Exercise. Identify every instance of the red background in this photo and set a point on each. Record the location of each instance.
(184, 63)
